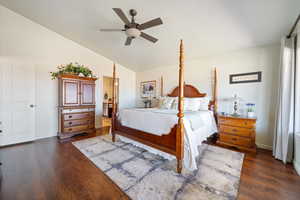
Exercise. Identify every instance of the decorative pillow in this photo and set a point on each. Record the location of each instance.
(165, 102)
(175, 104)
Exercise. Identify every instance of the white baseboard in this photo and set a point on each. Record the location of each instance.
(263, 146)
(297, 167)
(44, 136)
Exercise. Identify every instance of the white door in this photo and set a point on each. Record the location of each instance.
(17, 103)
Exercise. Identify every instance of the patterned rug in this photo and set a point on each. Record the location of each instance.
(146, 176)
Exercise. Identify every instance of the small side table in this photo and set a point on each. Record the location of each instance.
(237, 132)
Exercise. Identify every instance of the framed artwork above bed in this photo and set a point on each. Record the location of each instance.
(148, 89)
(245, 78)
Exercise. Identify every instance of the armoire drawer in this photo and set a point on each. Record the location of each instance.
(76, 128)
(78, 122)
(72, 116)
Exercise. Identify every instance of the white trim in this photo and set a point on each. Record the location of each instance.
(263, 146)
(45, 136)
(297, 167)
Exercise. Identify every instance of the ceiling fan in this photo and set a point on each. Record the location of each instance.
(133, 29)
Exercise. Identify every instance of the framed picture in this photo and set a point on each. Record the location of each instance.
(245, 78)
(148, 89)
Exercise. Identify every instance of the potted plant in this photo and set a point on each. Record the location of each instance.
(74, 69)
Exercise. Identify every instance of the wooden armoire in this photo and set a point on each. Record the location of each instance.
(76, 110)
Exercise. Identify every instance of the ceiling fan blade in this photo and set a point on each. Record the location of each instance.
(148, 37)
(128, 41)
(121, 14)
(149, 24)
(112, 29)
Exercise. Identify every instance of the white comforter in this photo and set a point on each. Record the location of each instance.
(198, 126)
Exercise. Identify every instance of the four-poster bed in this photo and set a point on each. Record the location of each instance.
(171, 142)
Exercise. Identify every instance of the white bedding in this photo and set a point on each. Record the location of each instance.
(198, 126)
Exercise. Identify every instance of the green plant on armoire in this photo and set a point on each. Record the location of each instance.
(72, 68)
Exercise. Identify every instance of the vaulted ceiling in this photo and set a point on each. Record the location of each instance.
(207, 27)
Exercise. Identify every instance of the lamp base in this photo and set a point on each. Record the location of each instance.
(235, 115)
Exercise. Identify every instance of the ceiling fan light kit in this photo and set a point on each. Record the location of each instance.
(133, 29)
(133, 32)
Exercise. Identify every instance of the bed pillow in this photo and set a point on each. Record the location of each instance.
(189, 104)
(165, 102)
(204, 103)
(193, 104)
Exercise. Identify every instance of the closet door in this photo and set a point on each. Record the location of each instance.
(17, 103)
(87, 93)
(71, 92)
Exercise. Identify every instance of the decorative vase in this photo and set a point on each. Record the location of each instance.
(250, 110)
(251, 114)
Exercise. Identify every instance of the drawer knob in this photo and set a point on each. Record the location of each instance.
(70, 116)
(70, 123)
(234, 139)
(70, 129)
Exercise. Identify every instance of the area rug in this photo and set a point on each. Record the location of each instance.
(146, 176)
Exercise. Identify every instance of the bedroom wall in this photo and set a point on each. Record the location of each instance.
(30, 44)
(198, 72)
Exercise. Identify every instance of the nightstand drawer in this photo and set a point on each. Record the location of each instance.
(239, 131)
(232, 139)
(237, 122)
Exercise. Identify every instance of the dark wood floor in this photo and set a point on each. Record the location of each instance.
(49, 169)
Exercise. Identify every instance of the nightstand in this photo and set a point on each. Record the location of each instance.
(237, 132)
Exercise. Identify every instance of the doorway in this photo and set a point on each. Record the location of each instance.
(17, 104)
(107, 100)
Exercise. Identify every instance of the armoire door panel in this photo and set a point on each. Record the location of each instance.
(87, 93)
(71, 92)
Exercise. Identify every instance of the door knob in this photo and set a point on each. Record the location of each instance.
(31, 106)
(0, 131)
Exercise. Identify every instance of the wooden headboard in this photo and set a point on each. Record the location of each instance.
(190, 91)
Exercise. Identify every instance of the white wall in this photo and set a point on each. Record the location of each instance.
(23, 41)
(199, 72)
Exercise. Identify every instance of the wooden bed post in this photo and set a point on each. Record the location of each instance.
(180, 128)
(215, 92)
(161, 86)
(113, 121)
